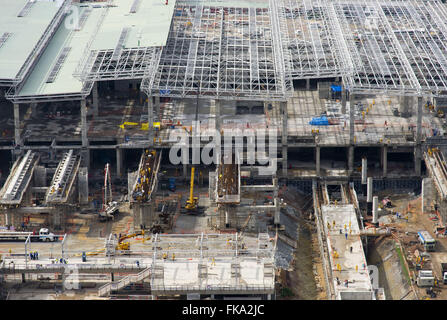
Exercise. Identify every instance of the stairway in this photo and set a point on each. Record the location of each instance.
(115, 286)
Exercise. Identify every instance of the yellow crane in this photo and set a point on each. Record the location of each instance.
(192, 202)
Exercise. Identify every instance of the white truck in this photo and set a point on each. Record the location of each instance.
(44, 235)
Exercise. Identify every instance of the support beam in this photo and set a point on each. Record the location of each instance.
(119, 162)
(307, 84)
(150, 117)
(343, 100)
(18, 139)
(364, 170)
(385, 161)
(283, 106)
(84, 132)
(351, 159)
(33, 109)
(157, 108)
(351, 119)
(95, 100)
(317, 160)
(418, 151)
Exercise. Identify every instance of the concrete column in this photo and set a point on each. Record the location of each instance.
(419, 122)
(351, 119)
(317, 160)
(185, 171)
(284, 114)
(33, 109)
(369, 196)
(343, 100)
(95, 99)
(84, 126)
(218, 116)
(218, 141)
(157, 108)
(351, 159)
(418, 151)
(385, 161)
(119, 162)
(84, 131)
(18, 139)
(307, 84)
(375, 210)
(150, 116)
(364, 170)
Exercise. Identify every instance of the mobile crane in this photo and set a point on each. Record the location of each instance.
(192, 202)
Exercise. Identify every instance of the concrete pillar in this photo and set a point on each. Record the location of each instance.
(119, 162)
(218, 115)
(351, 119)
(284, 133)
(317, 160)
(18, 139)
(84, 132)
(95, 99)
(369, 196)
(185, 170)
(150, 116)
(385, 161)
(418, 151)
(84, 126)
(157, 108)
(307, 84)
(364, 170)
(351, 159)
(33, 109)
(343, 100)
(375, 210)
(419, 122)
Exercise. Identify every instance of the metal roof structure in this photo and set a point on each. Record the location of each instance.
(52, 76)
(308, 36)
(243, 50)
(25, 27)
(127, 40)
(395, 47)
(222, 52)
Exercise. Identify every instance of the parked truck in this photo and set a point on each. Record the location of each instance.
(444, 272)
(44, 235)
(427, 240)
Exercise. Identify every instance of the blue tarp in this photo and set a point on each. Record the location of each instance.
(335, 88)
(320, 121)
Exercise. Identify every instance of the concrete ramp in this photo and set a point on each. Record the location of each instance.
(19, 179)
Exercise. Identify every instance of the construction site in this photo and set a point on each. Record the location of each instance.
(214, 150)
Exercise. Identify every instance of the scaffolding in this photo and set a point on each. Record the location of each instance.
(220, 52)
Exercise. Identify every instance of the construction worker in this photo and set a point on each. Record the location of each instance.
(173, 257)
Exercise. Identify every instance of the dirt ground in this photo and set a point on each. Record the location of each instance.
(409, 206)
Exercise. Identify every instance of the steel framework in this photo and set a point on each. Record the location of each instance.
(307, 35)
(223, 53)
(397, 47)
